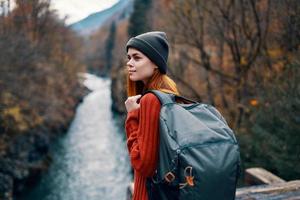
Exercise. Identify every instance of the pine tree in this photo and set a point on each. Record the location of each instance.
(109, 46)
(273, 139)
(139, 22)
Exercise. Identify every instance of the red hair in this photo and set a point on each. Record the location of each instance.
(158, 81)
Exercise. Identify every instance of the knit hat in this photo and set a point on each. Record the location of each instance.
(154, 45)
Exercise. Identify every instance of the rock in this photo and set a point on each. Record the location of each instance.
(258, 176)
(41, 147)
(13, 168)
(118, 89)
(24, 162)
(6, 187)
(277, 191)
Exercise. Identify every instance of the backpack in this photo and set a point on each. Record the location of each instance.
(199, 156)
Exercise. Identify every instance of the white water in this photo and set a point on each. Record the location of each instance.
(91, 162)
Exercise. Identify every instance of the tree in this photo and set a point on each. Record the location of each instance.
(272, 140)
(139, 21)
(291, 26)
(217, 30)
(109, 46)
(44, 65)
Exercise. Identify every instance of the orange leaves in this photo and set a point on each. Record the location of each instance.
(253, 102)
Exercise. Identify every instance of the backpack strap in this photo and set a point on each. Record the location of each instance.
(166, 98)
(163, 97)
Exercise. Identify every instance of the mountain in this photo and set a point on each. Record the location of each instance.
(120, 10)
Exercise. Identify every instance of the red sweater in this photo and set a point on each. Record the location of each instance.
(142, 130)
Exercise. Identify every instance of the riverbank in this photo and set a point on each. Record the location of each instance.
(90, 161)
(24, 157)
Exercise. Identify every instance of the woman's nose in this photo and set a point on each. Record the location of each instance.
(129, 63)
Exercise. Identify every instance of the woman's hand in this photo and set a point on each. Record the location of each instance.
(131, 103)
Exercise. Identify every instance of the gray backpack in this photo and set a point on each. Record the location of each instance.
(199, 156)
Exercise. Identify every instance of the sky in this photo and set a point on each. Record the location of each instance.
(76, 10)
(79, 9)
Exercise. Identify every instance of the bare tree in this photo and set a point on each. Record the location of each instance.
(216, 29)
(243, 26)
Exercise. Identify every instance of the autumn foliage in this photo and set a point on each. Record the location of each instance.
(241, 56)
(39, 64)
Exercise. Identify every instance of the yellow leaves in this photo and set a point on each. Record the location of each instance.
(14, 111)
(275, 53)
(243, 61)
(16, 115)
(16, 119)
(11, 113)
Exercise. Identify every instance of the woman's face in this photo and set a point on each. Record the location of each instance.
(139, 66)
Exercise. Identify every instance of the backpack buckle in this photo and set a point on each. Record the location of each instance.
(189, 178)
(169, 177)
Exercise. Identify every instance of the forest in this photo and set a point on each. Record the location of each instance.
(39, 88)
(242, 56)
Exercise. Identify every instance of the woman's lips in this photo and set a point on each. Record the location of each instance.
(131, 72)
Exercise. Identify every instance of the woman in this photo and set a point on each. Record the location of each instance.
(147, 66)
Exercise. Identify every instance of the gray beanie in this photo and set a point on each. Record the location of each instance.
(154, 45)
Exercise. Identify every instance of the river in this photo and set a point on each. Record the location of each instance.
(91, 161)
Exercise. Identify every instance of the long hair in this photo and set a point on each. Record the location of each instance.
(158, 81)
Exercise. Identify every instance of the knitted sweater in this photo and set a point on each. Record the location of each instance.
(142, 130)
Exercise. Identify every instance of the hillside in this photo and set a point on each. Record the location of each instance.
(96, 20)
